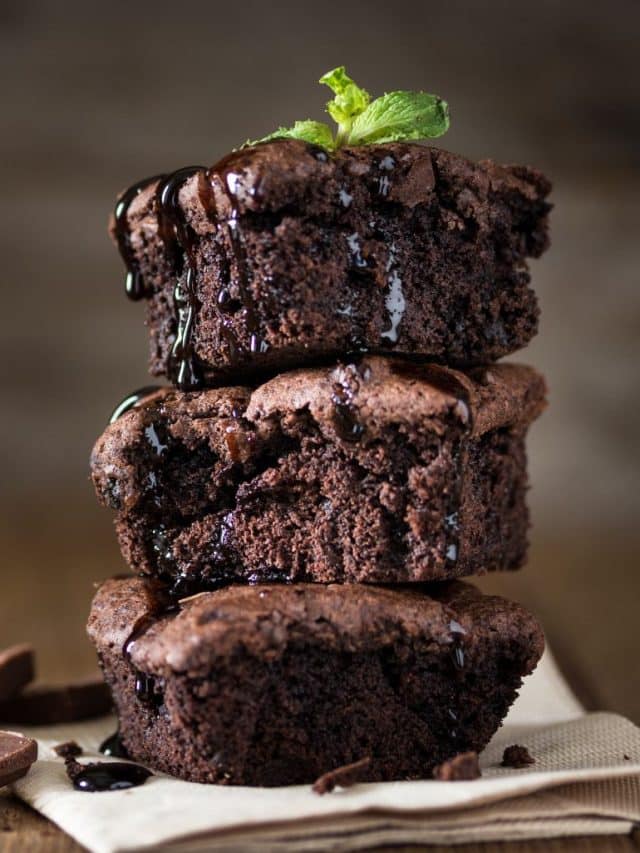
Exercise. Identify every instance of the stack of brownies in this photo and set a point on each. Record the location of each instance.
(337, 447)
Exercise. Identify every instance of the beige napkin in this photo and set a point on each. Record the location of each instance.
(586, 780)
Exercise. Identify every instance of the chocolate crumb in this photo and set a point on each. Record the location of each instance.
(517, 756)
(68, 749)
(461, 768)
(626, 757)
(344, 776)
(73, 768)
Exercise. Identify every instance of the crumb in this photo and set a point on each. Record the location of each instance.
(344, 776)
(626, 757)
(73, 768)
(68, 749)
(517, 756)
(461, 768)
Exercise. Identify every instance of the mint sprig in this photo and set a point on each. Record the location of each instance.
(394, 117)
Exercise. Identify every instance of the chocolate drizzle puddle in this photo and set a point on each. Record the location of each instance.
(177, 236)
(134, 285)
(132, 400)
(105, 775)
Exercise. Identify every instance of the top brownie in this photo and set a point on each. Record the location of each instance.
(282, 255)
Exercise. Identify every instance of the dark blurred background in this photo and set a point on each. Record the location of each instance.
(98, 95)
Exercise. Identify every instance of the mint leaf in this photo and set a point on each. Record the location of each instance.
(400, 116)
(316, 132)
(395, 117)
(349, 101)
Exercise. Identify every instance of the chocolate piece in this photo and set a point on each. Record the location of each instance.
(280, 256)
(17, 669)
(517, 756)
(68, 749)
(272, 684)
(43, 706)
(17, 754)
(105, 775)
(381, 471)
(461, 768)
(344, 777)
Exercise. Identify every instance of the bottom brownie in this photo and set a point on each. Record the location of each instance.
(275, 685)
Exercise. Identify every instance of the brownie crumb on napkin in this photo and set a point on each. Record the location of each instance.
(345, 776)
(517, 756)
(461, 768)
(68, 749)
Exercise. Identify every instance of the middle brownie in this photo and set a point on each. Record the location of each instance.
(377, 471)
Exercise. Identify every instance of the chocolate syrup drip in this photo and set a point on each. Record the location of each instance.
(132, 400)
(226, 174)
(345, 415)
(113, 746)
(134, 285)
(457, 649)
(178, 239)
(106, 776)
(145, 685)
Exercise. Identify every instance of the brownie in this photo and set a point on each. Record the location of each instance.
(282, 255)
(376, 471)
(276, 685)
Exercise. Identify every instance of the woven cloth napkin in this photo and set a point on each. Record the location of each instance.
(585, 781)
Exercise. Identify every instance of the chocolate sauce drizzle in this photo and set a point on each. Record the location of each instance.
(113, 746)
(134, 285)
(345, 414)
(146, 688)
(457, 649)
(226, 174)
(132, 400)
(178, 239)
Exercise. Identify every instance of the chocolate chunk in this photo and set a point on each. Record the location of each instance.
(42, 706)
(16, 669)
(68, 749)
(17, 754)
(345, 776)
(461, 768)
(517, 756)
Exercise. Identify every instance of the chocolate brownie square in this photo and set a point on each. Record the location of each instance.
(282, 255)
(377, 471)
(276, 685)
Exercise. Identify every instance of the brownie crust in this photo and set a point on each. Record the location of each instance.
(375, 471)
(282, 255)
(276, 685)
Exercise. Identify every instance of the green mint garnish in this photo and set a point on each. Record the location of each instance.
(394, 117)
(311, 131)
